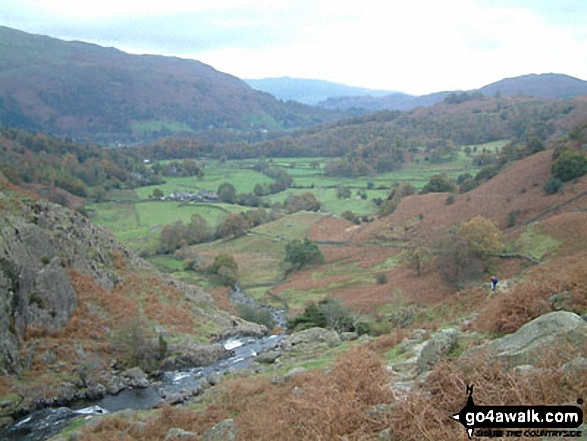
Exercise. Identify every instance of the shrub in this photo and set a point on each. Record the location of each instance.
(302, 253)
(328, 313)
(381, 278)
(256, 314)
(553, 185)
(438, 184)
(512, 218)
(450, 199)
(348, 215)
(225, 267)
(569, 165)
(343, 192)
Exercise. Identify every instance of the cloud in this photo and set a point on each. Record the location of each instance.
(418, 46)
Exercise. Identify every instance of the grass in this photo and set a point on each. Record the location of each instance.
(535, 244)
(215, 173)
(138, 225)
(260, 254)
(151, 126)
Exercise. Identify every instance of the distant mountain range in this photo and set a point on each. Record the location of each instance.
(542, 86)
(83, 90)
(311, 92)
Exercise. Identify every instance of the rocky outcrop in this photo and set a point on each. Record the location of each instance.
(223, 431)
(533, 340)
(437, 348)
(194, 355)
(40, 243)
(310, 338)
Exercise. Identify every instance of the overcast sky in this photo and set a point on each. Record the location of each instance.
(413, 46)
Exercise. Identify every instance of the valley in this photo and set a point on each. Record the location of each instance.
(183, 257)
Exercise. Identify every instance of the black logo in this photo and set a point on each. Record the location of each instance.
(474, 417)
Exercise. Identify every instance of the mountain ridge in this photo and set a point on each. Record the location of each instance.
(82, 90)
(547, 85)
(311, 91)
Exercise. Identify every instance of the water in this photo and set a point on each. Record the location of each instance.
(44, 423)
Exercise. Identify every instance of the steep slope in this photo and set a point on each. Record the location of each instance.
(80, 89)
(75, 304)
(519, 189)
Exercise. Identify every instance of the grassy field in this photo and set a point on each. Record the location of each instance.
(138, 225)
(215, 173)
(137, 221)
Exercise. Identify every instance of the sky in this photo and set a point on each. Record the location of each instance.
(411, 46)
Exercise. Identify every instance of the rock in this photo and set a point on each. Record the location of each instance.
(267, 357)
(95, 392)
(576, 368)
(531, 341)
(310, 339)
(66, 394)
(223, 431)
(136, 429)
(76, 435)
(380, 412)
(561, 301)
(524, 369)
(5, 421)
(194, 355)
(385, 435)
(348, 336)
(136, 378)
(10, 404)
(177, 434)
(293, 372)
(437, 348)
(134, 374)
(48, 357)
(214, 378)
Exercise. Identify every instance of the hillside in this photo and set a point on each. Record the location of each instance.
(396, 101)
(541, 86)
(74, 299)
(83, 90)
(523, 344)
(548, 85)
(312, 92)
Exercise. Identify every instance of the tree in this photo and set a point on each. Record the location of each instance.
(235, 224)
(226, 267)
(302, 253)
(306, 201)
(439, 184)
(416, 257)
(463, 253)
(197, 229)
(349, 215)
(569, 165)
(456, 262)
(157, 193)
(137, 344)
(172, 237)
(552, 186)
(343, 192)
(226, 192)
(482, 236)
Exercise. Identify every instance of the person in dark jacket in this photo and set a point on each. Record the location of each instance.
(494, 281)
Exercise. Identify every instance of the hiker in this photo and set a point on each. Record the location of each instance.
(494, 281)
